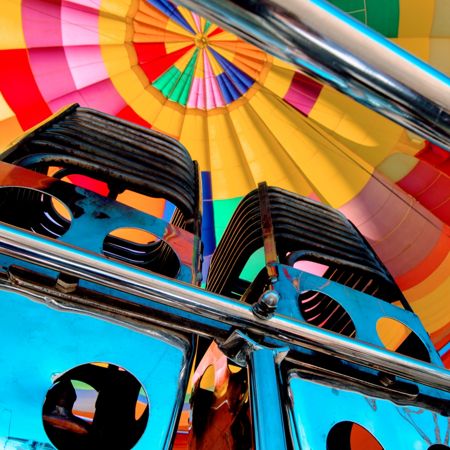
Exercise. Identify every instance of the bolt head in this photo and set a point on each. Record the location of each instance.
(270, 298)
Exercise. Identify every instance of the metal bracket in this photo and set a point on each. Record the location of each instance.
(239, 346)
(270, 249)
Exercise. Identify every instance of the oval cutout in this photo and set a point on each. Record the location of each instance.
(324, 312)
(351, 436)
(312, 267)
(144, 203)
(89, 183)
(83, 181)
(397, 337)
(150, 205)
(135, 235)
(143, 249)
(34, 211)
(95, 405)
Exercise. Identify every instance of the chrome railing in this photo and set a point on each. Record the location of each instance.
(207, 313)
(331, 46)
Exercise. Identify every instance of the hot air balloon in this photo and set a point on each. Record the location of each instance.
(246, 116)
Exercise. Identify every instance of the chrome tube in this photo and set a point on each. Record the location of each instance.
(220, 311)
(331, 46)
(267, 405)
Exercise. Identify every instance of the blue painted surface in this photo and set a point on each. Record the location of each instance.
(208, 233)
(364, 310)
(315, 408)
(33, 327)
(267, 406)
(22, 444)
(6, 261)
(101, 216)
(444, 349)
(169, 209)
(208, 226)
(44, 342)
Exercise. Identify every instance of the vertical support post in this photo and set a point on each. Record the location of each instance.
(267, 413)
(270, 250)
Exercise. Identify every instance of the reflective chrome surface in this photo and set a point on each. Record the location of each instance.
(267, 405)
(318, 405)
(98, 214)
(210, 313)
(362, 310)
(42, 343)
(331, 46)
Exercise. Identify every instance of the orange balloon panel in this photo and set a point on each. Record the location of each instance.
(247, 117)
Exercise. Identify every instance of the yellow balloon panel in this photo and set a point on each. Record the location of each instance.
(244, 115)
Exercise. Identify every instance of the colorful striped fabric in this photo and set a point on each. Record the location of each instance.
(247, 117)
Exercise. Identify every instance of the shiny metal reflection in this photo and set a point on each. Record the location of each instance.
(197, 308)
(336, 49)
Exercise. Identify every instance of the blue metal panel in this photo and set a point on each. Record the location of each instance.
(211, 314)
(365, 310)
(267, 413)
(95, 216)
(43, 342)
(316, 407)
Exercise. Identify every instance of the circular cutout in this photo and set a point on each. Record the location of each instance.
(95, 406)
(324, 312)
(351, 436)
(439, 447)
(397, 337)
(143, 249)
(34, 211)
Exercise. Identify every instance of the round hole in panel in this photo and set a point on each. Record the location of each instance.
(35, 211)
(149, 205)
(95, 406)
(143, 249)
(351, 436)
(312, 267)
(439, 447)
(323, 311)
(397, 337)
(84, 181)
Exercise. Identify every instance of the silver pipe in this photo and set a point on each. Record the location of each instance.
(181, 296)
(331, 46)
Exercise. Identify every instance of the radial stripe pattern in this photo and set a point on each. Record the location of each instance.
(191, 61)
(246, 117)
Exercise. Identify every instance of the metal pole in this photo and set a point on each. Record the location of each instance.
(267, 412)
(222, 311)
(330, 45)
